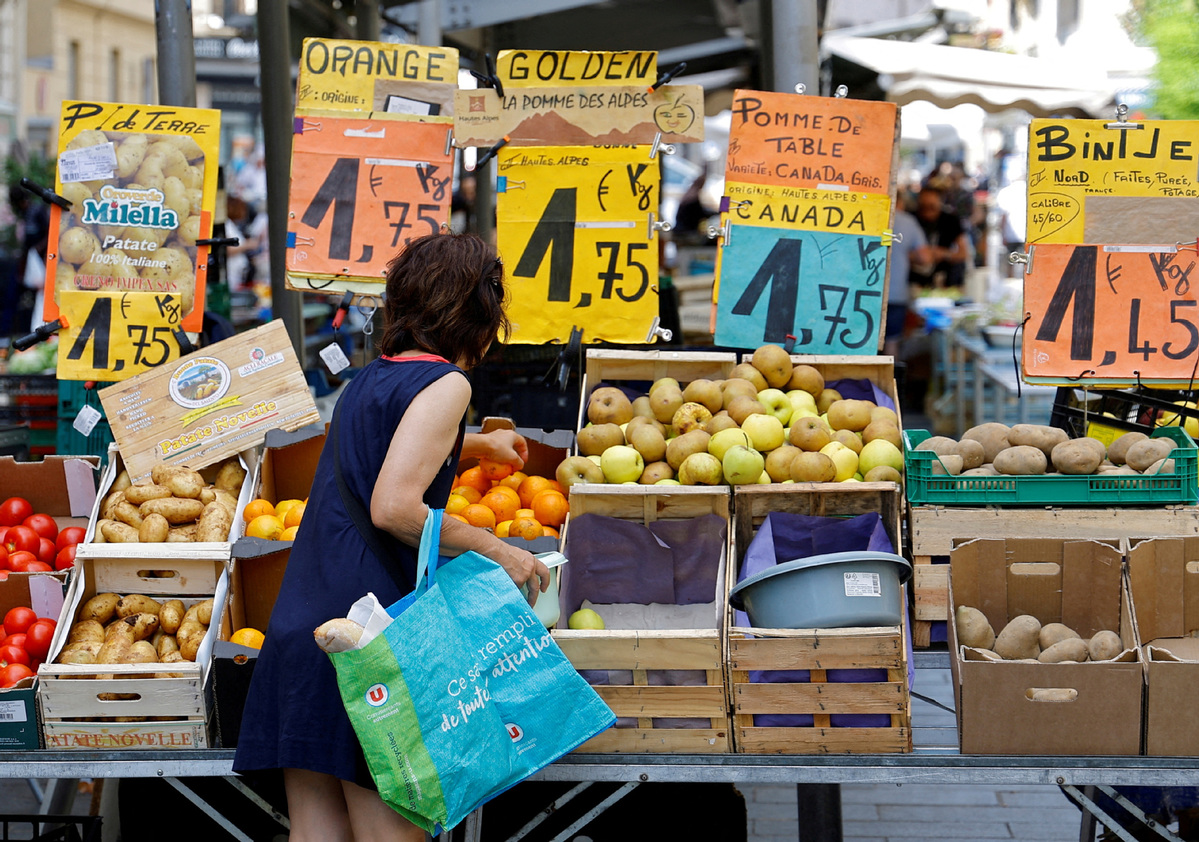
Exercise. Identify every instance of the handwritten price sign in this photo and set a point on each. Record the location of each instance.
(360, 191)
(823, 288)
(574, 229)
(1113, 314)
(115, 335)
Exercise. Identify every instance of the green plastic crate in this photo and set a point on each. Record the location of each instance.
(925, 488)
(71, 442)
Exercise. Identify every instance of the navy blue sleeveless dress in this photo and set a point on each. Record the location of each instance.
(294, 717)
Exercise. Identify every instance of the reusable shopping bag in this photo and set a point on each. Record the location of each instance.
(465, 693)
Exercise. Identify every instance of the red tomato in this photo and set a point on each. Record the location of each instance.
(3, 555)
(37, 639)
(3, 532)
(19, 619)
(22, 538)
(46, 551)
(3, 575)
(19, 562)
(13, 673)
(38, 567)
(14, 510)
(13, 655)
(14, 640)
(43, 525)
(65, 558)
(68, 536)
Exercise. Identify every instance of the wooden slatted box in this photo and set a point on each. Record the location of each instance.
(643, 651)
(816, 650)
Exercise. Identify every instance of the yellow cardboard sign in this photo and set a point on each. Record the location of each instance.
(142, 185)
(115, 335)
(1081, 176)
(575, 231)
(534, 68)
(808, 209)
(402, 79)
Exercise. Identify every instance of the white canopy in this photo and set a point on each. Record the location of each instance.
(946, 76)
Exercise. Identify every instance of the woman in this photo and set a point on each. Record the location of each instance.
(397, 437)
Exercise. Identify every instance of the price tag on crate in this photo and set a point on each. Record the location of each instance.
(86, 420)
(335, 358)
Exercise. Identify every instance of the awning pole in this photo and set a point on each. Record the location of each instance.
(796, 46)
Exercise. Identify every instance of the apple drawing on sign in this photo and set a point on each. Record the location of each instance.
(674, 117)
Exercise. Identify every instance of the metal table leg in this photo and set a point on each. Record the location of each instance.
(819, 812)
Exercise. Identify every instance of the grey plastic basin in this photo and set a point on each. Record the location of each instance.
(833, 591)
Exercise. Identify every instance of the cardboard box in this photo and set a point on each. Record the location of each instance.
(83, 708)
(63, 487)
(1077, 582)
(1163, 576)
(18, 712)
(547, 448)
(255, 577)
(289, 462)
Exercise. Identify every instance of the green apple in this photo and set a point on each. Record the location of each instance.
(578, 469)
(764, 479)
(701, 468)
(668, 482)
(722, 440)
(585, 618)
(799, 398)
(622, 463)
(844, 459)
(765, 431)
(743, 465)
(880, 452)
(777, 404)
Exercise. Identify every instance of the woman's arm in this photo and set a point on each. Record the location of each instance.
(418, 449)
(507, 446)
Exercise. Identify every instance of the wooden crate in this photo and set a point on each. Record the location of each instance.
(80, 710)
(933, 531)
(642, 651)
(816, 650)
(611, 367)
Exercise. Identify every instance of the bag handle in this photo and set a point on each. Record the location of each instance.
(428, 554)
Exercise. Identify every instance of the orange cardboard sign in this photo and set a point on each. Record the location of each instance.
(1111, 314)
(808, 141)
(360, 190)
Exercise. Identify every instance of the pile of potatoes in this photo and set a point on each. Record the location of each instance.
(996, 449)
(175, 505)
(135, 629)
(1025, 639)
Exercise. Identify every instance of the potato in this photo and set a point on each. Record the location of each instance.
(981, 471)
(116, 532)
(86, 631)
(171, 615)
(182, 534)
(121, 482)
(108, 509)
(1019, 638)
(1070, 649)
(101, 608)
(212, 494)
(78, 655)
(1051, 694)
(992, 436)
(1119, 449)
(1075, 458)
(1104, 646)
(189, 638)
(1042, 437)
(1144, 453)
(201, 612)
(215, 523)
(154, 529)
(1052, 633)
(115, 649)
(77, 246)
(144, 491)
(86, 138)
(186, 483)
(143, 625)
(972, 452)
(948, 464)
(973, 628)
(176, 510)
(128, 513)
(160, 472)
(939, 445)
(141, 652)
(137, 603)
(1024, 460)
(231, 476)
(166, 645)
(1161, 466)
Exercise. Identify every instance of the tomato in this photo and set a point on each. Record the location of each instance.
(37, 639)
(14, 640)
(19, 562)
(3, 533)
(38, 567)
(22, 538)
(65, 558)
(13, 655)
(43, 525)
(46, 551)
(19, 619)
(14, 510)
(68, 536)
(13, 673)
(3, 556)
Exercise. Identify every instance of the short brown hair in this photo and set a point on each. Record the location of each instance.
(445, 295)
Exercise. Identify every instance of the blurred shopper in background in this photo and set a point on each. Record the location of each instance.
(947, 240)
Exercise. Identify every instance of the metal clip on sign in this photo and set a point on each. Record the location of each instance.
(656, 225)
(559, 372)
(659, 146)
(45, 194)
(656, 329)
(40, 335)
(489, 79)
(1020, 257)
(668, 75)
(724, 232)
(1120, 123)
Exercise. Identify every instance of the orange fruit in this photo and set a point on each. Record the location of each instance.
(294, 514)
(472, 494)
(495, 470)
(525, 527)
(459, 517)
(476, 514)
(257, 507)
(475, 479)
(248, 637)
(456, 504)
(285, 506)
(504, 505)
(514, 479)
(550, 532)
(550, 508)
(557, 486)
(265, 526)
(524, 513)
(501, 528)
(531, 487)
(289, 534)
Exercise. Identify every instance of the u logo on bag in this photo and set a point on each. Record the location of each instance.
(515, 732)
(376, 695)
